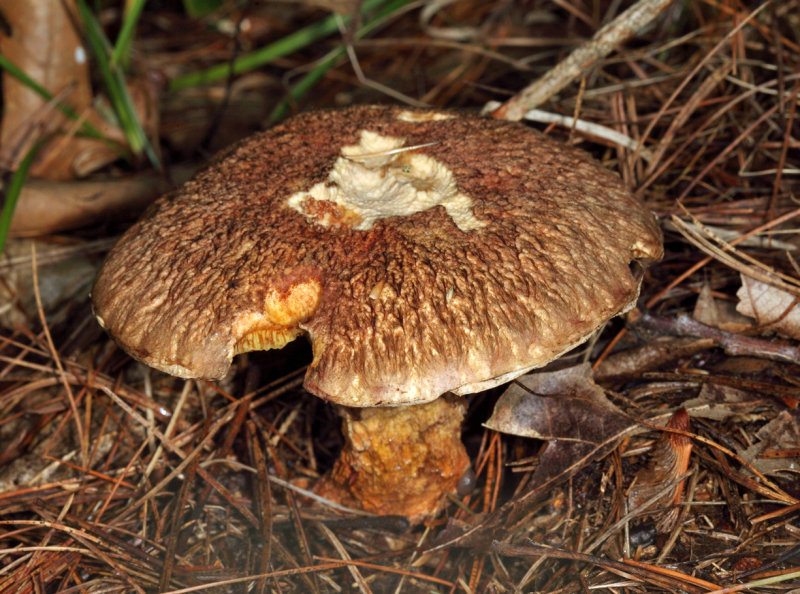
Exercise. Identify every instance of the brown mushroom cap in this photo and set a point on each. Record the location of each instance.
(421, 251)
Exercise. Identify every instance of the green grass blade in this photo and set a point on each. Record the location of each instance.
(305, 84)
(287, 45)
(13, 191)
(86, 129)
(115, 86)
(308, 81)
(121, 53)
(200, 8)
(22, 76)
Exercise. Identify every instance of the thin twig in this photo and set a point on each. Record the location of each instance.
(581, 59)
(734, 344)
(590, 128)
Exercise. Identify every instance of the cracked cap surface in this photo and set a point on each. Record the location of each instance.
(422, 251)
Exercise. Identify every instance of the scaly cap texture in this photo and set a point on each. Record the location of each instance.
(422, 251)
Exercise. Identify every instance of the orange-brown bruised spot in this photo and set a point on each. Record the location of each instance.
(277, 326)
(293, 305)
(329, 214)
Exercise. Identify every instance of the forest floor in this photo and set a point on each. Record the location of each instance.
(116, 478)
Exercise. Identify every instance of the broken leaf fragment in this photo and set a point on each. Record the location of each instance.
(773, 308)
(719, 313)
(777, 450)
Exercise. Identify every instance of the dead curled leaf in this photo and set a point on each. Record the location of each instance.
(567, 409)
(44, 43)
(668, 462)
(773, 308)
(581, 412)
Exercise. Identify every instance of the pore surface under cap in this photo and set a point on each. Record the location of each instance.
(421, 253)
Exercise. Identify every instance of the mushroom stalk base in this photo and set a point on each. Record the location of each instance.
(399, 461)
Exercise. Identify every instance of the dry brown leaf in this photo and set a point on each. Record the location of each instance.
(566, 408)
(48, 206)
(45, 44)
(718, 313)
(556, 405)
(772, 308)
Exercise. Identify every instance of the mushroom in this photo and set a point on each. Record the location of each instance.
(423, 252)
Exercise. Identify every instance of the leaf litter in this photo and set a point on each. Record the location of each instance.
(116, 478)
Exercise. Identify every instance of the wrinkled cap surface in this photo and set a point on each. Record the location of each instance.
(421, 251)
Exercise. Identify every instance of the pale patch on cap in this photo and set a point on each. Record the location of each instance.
(423, 116)
(380, 178)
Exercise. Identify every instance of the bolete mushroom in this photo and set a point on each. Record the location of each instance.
(423, 252)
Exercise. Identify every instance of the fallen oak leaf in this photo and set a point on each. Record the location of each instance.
(568, 410)
(529, 407)
(44, 43)
(719, 313)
